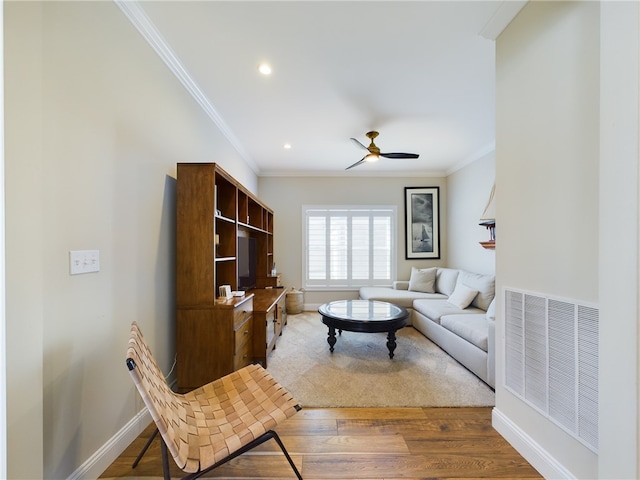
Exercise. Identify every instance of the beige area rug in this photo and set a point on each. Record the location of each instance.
(359, 373)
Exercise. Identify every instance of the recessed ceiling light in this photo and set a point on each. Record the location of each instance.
(264, 68)
(286, 146)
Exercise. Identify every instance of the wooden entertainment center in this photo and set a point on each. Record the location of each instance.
(216, 337)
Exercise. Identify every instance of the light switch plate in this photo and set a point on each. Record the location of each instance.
(84, 261)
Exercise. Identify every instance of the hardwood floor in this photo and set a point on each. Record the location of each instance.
(362, 444)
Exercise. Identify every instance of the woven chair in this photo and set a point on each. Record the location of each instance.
(215, 423)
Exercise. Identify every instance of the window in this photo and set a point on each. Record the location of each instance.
(349, 246)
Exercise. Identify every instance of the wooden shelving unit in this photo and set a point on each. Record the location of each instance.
(212, 211)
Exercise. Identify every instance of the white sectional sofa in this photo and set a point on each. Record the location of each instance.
(455, 309)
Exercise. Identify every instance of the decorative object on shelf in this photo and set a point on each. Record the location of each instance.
(488, 220)
(422, 222)
(274, 272)
(224, 292)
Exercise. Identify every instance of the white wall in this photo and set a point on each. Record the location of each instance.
(553, 204)
(286, 195)
(95, 124)
(467, 194)
(547, 169)
(619, 455)
(24, 239)
(462, 198)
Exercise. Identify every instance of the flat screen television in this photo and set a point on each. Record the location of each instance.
(247, 258)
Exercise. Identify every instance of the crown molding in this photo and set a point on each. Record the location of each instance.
(502, 17)
(362, 173)
(489, 149)
(141, 21)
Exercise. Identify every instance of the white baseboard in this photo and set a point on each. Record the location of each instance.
(311, 307)
(533, 453)
(106, 455)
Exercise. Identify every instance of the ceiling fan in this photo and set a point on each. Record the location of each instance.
(374, 152)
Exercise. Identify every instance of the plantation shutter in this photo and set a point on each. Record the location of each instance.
(349, 247)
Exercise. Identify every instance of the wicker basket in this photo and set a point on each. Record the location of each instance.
(294, 302)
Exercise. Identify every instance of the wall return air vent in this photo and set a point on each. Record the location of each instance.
(551, 360)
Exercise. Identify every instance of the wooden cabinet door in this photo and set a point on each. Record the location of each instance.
(204, 348)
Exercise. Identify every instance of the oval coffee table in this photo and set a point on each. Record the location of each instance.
(369, 316)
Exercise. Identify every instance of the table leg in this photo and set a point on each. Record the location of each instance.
(332, 338)
(391, 342)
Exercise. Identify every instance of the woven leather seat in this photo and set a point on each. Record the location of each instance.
(212, 424)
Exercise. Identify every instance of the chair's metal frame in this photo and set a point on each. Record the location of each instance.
(165, 457)
(145, 448)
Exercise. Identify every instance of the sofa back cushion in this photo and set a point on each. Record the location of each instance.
(423, 280)
(402, 298)
(446, 279)
(485, 284)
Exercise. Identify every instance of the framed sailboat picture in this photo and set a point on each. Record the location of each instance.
(422, 222)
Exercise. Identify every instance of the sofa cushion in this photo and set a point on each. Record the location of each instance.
(403, 298)
(462, 296)
(423, 280)
(473, 328)
(484, 284)
(434, 309)
(401, 285)
(446, 279)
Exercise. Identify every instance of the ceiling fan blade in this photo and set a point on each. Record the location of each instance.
(356, 164)
(399, 155)
(359, 144)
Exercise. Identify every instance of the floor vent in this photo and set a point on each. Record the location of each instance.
(551, 360)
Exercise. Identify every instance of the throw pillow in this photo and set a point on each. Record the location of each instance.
(485, 284)
(422, 280)
(462, 296)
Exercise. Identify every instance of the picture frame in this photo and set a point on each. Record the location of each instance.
(422, 222)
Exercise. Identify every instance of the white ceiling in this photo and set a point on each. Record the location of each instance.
(419, 72)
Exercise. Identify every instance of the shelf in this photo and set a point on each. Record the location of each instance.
(253, 227)
(225, 194)
(490, 245)
(226, 219)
